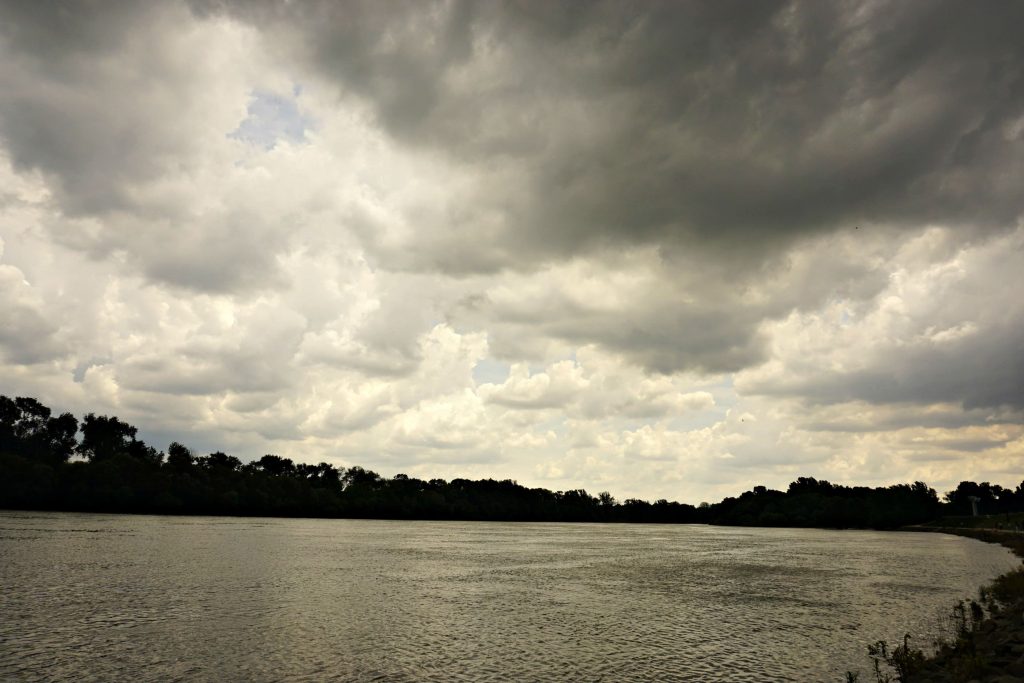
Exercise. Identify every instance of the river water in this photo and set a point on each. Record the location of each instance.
(118, 598)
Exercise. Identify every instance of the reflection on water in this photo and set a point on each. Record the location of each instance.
(95, 597)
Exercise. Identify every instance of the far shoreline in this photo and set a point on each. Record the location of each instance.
(585, 522)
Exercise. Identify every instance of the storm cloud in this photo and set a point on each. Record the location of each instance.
(730, 126)
(666, 249)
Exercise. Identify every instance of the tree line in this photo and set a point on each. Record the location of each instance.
(99, 464)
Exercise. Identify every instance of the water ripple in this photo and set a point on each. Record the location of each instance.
(107, 598)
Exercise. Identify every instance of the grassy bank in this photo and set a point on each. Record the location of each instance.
(986, 642)
(1009, 521)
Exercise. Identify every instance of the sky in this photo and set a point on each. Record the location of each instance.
(663, 249)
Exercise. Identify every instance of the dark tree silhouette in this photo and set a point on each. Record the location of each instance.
(179, 458)
(274, 465)
(26, 427)
(123, 474)
(992, 498)
(220, 462)
(105, 437)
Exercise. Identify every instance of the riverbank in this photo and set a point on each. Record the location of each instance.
(987, 648)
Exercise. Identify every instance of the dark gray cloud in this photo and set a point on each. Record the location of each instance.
(667, 313)
(312, 222)
(728, 126)
(26, 335)
(984, 371)
(118, 106)
(233, 252)
(950, 332)
(83, 103)
(848, 419)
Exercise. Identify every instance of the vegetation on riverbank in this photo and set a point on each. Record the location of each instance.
(55, 462)
(986, 641)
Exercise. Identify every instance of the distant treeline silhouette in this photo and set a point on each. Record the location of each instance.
(52, 462)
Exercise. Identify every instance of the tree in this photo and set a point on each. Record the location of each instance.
(140, 451)
(275, 465)
(27, 428)
(32, 417)
(9, 414)
(809, 485)
(220, 462)
(357, 476)
(60, 435)
(105, 437)
(179, 457)
(329, 476)
(960, 498)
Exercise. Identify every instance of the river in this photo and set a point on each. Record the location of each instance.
(119, 598)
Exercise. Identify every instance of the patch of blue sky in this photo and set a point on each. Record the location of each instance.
(78, 374)
(724, 392)
(489, 371)
(272, 117)
(694, 420)
(555, 424)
